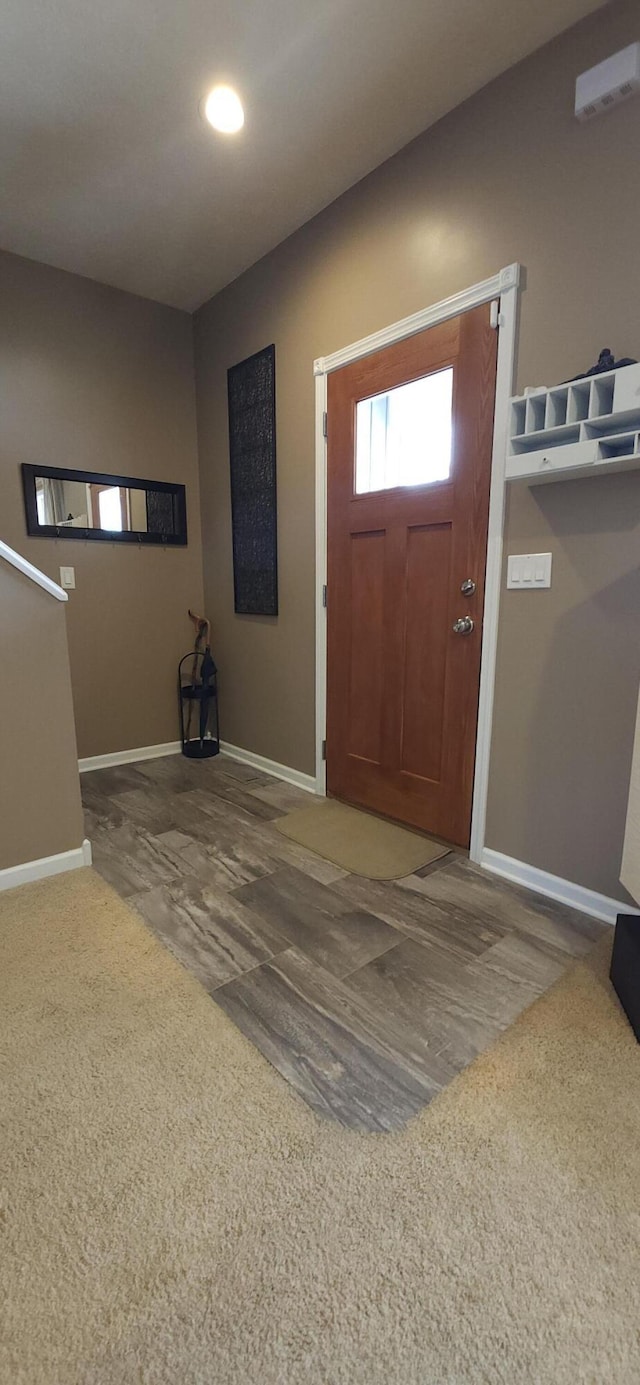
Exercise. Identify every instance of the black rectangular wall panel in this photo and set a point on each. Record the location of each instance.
(251, 387)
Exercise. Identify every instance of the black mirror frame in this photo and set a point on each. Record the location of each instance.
(101, 478)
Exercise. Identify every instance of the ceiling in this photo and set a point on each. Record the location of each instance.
(107, 168)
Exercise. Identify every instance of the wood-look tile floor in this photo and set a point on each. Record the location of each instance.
(367, 996)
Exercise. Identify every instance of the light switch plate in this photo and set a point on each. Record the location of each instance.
(526, 571)
(68, 578)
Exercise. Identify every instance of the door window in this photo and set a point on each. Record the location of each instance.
(403, 437)
(110, 508)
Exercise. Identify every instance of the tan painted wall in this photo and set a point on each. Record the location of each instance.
(509, 176)
(91, 377)
(40, 809)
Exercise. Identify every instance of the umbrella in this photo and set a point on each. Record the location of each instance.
(203, 632)
(207, 674)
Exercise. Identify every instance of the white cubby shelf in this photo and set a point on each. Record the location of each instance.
(587, 427)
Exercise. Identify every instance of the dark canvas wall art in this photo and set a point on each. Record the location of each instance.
(251, 387)
(160, 512)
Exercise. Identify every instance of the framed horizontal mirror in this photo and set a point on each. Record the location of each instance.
(94, 505)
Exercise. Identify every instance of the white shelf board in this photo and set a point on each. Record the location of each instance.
(573, 448)
(626, 422)
(530, 442)
(541, 476)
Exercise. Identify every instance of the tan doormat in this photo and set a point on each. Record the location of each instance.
(359, 842)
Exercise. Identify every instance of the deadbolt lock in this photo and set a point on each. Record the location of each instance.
(468, 587)
(463, 626)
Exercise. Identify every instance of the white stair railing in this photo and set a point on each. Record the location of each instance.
(40, 578)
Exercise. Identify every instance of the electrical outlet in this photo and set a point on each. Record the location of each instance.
(527, 571)
(68, 578)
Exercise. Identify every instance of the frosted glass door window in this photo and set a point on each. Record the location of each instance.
(403, 437)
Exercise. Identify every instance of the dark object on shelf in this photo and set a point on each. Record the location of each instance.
(605, 362)
(198, 698)
(251, 391)
(625, 967)
(60, 503)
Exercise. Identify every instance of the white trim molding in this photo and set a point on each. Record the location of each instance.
(235, 752)
(505, 384)
(502, 287)
(33, 573)
(498, 284)
(128, 757)
(599, 906)
(12, 876)
(260, 762)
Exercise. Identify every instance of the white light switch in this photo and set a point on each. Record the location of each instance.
(528, 570)
(68, 578)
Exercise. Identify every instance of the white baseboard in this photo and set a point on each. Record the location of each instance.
(127, 757)
(46, 865)
(235, 752)
(290, 776)
(599, 906)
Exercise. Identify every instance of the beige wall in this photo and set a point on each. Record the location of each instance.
(91, 377)
(40, 809)
(509, 176)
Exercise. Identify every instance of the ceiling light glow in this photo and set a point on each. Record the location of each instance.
(223, 109)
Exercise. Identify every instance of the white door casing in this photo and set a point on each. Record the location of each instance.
(501, 288)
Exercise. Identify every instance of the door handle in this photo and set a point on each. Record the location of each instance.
(463, 626)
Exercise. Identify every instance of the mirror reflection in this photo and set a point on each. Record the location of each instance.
(91, 505)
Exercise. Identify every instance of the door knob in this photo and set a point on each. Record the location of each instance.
(463, 626)
(468, 587)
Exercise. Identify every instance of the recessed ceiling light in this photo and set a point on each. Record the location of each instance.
(223, 109)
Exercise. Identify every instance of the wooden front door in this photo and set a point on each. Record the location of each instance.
(407, 507)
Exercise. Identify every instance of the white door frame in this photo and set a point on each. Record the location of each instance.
(502, 287)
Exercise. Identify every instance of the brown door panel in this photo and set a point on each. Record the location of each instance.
(402, 688)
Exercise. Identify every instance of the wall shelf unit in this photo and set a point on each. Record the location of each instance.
(587, 428)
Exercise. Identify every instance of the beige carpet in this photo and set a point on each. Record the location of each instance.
(171, 1214)
(359, 842)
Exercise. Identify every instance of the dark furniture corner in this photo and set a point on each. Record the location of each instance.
(625, 967)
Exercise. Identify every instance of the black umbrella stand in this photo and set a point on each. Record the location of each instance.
(198, 701)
